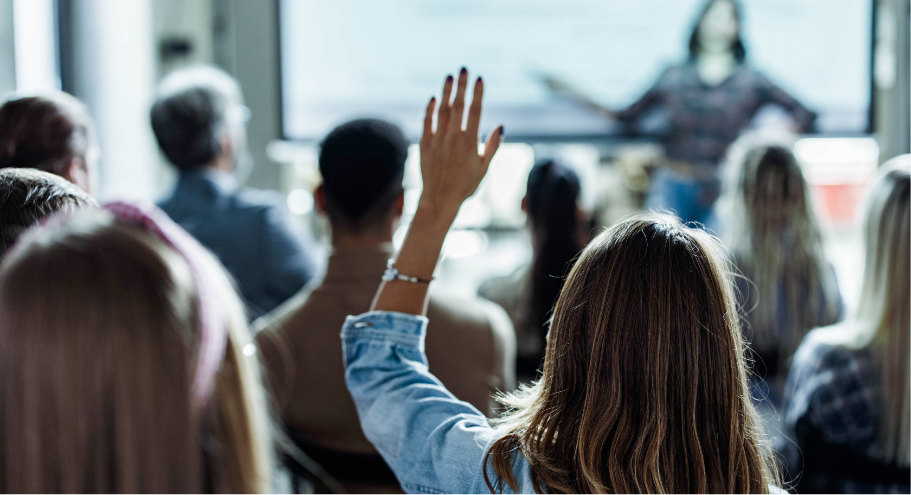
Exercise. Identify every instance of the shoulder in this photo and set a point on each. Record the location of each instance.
(506, 290)
(281, 318)
(835, 386)
(258, 202)
(477, 316)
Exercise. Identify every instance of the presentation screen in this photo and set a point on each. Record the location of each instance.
(343, 59)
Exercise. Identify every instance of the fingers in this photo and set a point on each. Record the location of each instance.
(474, 111)
(445, 107)
(428, 123)
(458, 105)
(493, 142)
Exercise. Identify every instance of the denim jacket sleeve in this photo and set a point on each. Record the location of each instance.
(433, 442)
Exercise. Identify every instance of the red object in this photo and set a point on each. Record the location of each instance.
(839, 202)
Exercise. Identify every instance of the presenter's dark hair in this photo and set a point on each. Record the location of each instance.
(28, 195)
(551, 198)
(362, 163)
(190, 113)
(737, 47)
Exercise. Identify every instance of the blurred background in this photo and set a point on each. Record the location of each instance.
(308, 65)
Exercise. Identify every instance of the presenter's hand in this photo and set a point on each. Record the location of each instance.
(452, 169)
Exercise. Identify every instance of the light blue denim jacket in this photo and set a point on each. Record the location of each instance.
(433, 442)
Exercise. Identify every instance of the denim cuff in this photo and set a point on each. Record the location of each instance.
(386, 326)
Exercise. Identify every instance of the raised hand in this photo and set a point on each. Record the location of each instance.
(452, 170)
(451, 167)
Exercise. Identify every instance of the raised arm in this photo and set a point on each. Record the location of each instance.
(433, 442)
(452, 170)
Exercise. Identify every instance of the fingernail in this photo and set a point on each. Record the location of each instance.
(463, 71)
(433, 99)
(501, 131)
(449, 79)
(478, 81)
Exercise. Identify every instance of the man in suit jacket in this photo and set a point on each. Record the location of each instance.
(199, 121)
(470, 343)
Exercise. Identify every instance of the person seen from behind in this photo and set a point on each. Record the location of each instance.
(126, 363)
(787, 286)
(847, 402)
(27, 196)
(52, 132)
(644, 387)
(471, 349)
(557, 225)
(200, 123)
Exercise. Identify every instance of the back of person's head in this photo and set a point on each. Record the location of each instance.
(29, 195)
(551, 203)
(645, 384)
(195, 112)
(773, 233)
(362, 163)
(883, 316)
(125, 363)
(51, 132)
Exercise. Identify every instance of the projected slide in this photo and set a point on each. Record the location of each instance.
(349, 58)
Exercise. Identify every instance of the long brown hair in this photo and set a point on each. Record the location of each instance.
(99, 327)
(644, 386)
(775, 240)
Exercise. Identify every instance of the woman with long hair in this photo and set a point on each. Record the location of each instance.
(847, 401)
(644, 383)
(769, 225)
(125, 363)
(709, 99)
(556, 224)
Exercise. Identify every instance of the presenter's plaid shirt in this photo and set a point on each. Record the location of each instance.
(703, 120)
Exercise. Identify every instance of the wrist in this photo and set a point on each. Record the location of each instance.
(436, 213)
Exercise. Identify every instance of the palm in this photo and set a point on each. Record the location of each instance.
(451, 167)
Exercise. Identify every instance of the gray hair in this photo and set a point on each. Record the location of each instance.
(193, 108)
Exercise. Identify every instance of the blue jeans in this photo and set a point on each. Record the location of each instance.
(689, 198)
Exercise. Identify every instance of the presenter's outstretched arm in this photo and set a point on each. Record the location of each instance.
(560, 86)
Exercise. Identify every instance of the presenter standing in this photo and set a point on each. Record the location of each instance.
(709, 100)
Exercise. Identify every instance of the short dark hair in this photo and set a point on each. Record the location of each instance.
(28, 195)
(740, 51)
(190, 112)
(44, 132)
(362, 163)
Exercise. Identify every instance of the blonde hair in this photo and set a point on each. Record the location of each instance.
(99, 327)
(644, 386)
(882, 320)
(774, 237)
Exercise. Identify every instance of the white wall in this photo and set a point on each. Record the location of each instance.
(7, 61)
(114, 74)
(246, 45)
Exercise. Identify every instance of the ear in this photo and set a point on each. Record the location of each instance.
(319, 198)
(77, 172)
(399, 205)
(525, 204)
